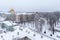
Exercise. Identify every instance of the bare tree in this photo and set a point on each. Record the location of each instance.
(41, 24)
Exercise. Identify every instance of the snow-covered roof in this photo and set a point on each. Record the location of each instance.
(23, 13)
(8, 23)
(7, 12)
(17, 13)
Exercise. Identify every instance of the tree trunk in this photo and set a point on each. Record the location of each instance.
(53, 29)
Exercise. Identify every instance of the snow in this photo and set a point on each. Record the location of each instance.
(58, 25)
(27, 29)
(5, 12)
(25, 32)
(2, 19)
(57, 28)
(9, 23)
(24, 13)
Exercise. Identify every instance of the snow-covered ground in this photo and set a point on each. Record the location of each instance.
(22, 33)
(29, 33)
(29, 30)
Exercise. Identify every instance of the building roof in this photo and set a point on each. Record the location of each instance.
(23, 13)
(8, 23)
(25, 38)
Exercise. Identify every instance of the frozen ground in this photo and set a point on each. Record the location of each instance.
(28, 29)
(29, 33)
(22, 33)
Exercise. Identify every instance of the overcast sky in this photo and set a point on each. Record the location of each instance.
(30, 5)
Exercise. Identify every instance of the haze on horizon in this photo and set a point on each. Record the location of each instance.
(30, 5)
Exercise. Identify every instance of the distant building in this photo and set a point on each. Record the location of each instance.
(18, 17)
(12, 11)
(25, 38)
(24, 17)
(7, 24)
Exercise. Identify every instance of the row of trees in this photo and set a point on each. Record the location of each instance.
(51, 17)
(26, 18)
(38, 22)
